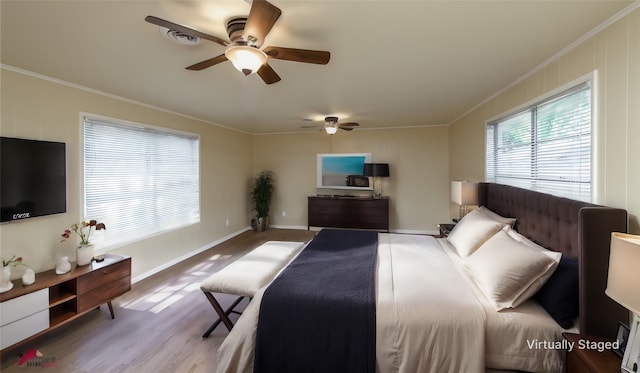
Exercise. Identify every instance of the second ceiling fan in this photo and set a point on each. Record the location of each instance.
(331, 125)
(246, 37)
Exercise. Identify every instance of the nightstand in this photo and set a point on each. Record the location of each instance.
(590, 360)
(445, 229)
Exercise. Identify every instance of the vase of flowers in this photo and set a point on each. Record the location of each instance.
(5, 274)
(84, 253)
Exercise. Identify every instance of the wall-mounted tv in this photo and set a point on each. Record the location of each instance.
(342, 171)
(33, 180)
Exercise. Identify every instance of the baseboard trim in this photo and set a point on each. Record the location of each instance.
(158, 269)
(299, 227)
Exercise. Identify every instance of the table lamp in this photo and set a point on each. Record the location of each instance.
(464, 193)
(623, 286)
(376, 170)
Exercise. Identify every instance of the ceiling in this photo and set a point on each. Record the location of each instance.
(393, 63)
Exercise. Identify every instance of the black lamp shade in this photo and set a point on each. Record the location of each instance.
(376, 169)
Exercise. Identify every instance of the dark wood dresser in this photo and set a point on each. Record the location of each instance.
(349, 212)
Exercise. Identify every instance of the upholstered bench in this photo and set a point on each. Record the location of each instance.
(246, 276)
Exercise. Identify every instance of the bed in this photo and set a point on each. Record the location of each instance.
(433, 313)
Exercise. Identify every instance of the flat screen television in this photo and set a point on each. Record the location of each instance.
(33, 179)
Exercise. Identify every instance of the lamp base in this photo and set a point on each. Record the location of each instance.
(631, 358)
(377, 188)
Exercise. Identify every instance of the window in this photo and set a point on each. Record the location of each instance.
(139, 180)
(545, 147)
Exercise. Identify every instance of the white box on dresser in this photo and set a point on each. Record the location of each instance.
(23, 317)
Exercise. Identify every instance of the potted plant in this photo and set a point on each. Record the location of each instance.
(261, 199)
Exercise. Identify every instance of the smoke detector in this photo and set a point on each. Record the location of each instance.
(179, 37)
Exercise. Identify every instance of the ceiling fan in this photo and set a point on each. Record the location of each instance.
(331, 125)
(246, 35)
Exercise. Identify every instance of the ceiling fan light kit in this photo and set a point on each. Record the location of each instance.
(331, 125)
(331, 128)
(247, 35)
(246, 59)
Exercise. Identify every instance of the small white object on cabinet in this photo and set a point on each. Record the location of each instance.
(28, 277)
(63, 265)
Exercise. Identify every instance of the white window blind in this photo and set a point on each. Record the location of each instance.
(139, 180)
(546, 147)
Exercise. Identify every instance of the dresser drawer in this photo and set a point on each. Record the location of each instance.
(103, 294)
(24, 328)
(23, 306)
(104, 276)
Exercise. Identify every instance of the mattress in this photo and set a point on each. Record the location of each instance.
(429, 318)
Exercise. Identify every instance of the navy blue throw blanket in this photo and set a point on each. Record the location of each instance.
(319, 315)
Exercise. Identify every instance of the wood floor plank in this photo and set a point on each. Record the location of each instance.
(159, 323)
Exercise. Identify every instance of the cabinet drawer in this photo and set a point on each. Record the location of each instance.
(23, 306)
(365, 203)
(103, 276)
(321, 221)
(103, 294)
(24, 328)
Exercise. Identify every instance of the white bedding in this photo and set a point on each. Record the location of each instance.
(429, 318)
(511, 334)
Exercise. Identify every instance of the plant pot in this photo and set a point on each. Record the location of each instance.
(5, 280)
(84, 255)
(262, 224)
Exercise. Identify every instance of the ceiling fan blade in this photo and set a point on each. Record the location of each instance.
(299, 55)
(207, 63)
(262, 16)
(267, 74)
(350, 124)
(346, 128)
(189, 31)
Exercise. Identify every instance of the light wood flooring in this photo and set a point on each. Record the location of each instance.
(158, 325)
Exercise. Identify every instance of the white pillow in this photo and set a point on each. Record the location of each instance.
(520, 238)
(472, 231)
(556, 256)
(500, 219)
(507, 271)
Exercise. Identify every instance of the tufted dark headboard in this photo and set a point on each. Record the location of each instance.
(575, 228)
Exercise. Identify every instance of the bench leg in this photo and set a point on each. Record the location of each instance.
(223, 314)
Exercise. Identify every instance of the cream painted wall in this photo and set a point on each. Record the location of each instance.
(422, 160)
(35, 108)
(418, 160)
(614, 53)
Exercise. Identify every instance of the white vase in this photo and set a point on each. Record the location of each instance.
(5, 279)
(84, 255)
